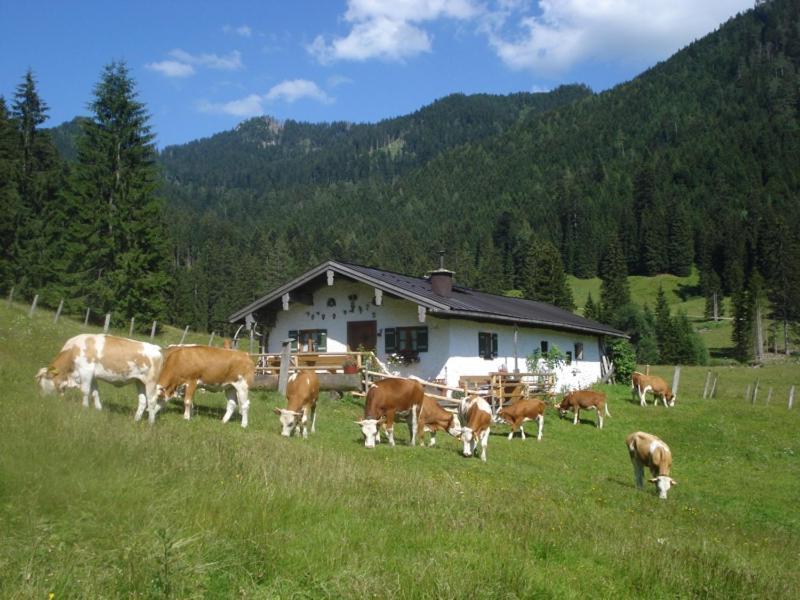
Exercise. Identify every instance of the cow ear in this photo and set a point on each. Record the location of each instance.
(276, 410)
(673, 481)
(653, 480)
(359, 423)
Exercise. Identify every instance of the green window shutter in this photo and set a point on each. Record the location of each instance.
(322, 340)
(494, 345)
(422, 339)
(389, 339)
(482, 339)
(293, 335)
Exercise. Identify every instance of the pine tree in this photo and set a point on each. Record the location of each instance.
(590, 309)
(614, 290)
(119, 238)
(10, 201)
(543, 276)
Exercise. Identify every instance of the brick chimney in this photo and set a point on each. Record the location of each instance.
(442, 279)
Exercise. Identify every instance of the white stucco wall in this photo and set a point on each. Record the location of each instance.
(452, 343)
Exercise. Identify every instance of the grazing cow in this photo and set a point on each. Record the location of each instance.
(521, 411)
(302, 391)
(87, 358)
(585, 399)
(477, 414)
(434, 418)
(641, 383)
(208, 368)
(386, 398)
(646, 450)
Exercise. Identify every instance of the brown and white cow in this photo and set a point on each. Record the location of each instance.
(476, 419)
(641, 383)
(647, 450)
(385, 399)
(585, 400)
(208, 368)
(302, 391)
(434, 418)
(88, 358)
(523, 410)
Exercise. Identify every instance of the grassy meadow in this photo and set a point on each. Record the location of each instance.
(93, 505)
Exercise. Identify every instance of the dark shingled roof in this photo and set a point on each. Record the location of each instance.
(462, 303)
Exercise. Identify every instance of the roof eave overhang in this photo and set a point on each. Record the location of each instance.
(465, 314)
(347, 272)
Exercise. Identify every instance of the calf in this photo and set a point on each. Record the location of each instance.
(641, 383)
(521, 411)
(434, 418)
(587, 400)
(302, 391)
(88, 358)
(477, 414)
(384, 400)
(208, 368)
(646, 450)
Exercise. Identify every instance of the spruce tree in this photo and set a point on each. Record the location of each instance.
(543, 276)
(10, 201)
(614, 289)
(590, 309)
(119, 238)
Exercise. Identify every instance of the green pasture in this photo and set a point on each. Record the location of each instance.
(93, 505)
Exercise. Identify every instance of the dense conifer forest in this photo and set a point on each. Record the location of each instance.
(695, 162)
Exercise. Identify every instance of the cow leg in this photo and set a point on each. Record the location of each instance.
(412, 424)
(314, 418)
(540, 418)
(638, 472)
(484, 443)
(599, 418)
(188, 394)
(96, 395)
(230, 394)
(140, 388)
(522, 429)
(304, 422)
(390, 427)
(513, 429)
(433, 438)
(577, 412)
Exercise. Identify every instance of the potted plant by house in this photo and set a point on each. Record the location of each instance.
(350, 365)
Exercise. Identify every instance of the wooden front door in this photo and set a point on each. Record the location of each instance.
(362, 333)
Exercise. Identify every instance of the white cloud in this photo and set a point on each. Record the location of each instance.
(253, 104)
(249, 106)
(389, 29)
(242, 30)
(295, 89)
(337, 80)
(567, 32)
(171, 68)
(231, 62)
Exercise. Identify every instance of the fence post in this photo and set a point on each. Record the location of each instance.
(747, 392)
(86, 318)
(58, 312)
(705, 387)
(755, 392)
(791, 398)
(211, 339)
(769, 395)
(713, 387)
(11, 296)
(33, 305)
(676, 379)
(107, 323)
(252, 332)
(286, 356)
(130, 331)
(153, 330)
(183, 337)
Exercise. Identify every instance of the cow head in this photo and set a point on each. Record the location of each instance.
(454, 428)
(562, 407)
(51, 381)
(289, 420)
(467, 437)
(371, 430)
(663, 483)
(670, 398)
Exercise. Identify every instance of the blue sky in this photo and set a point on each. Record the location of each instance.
(202, 67)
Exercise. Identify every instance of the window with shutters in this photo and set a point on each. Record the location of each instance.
(309, 340)
(405, 339)
(578, 351)
(487, 345)
(545, 346)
